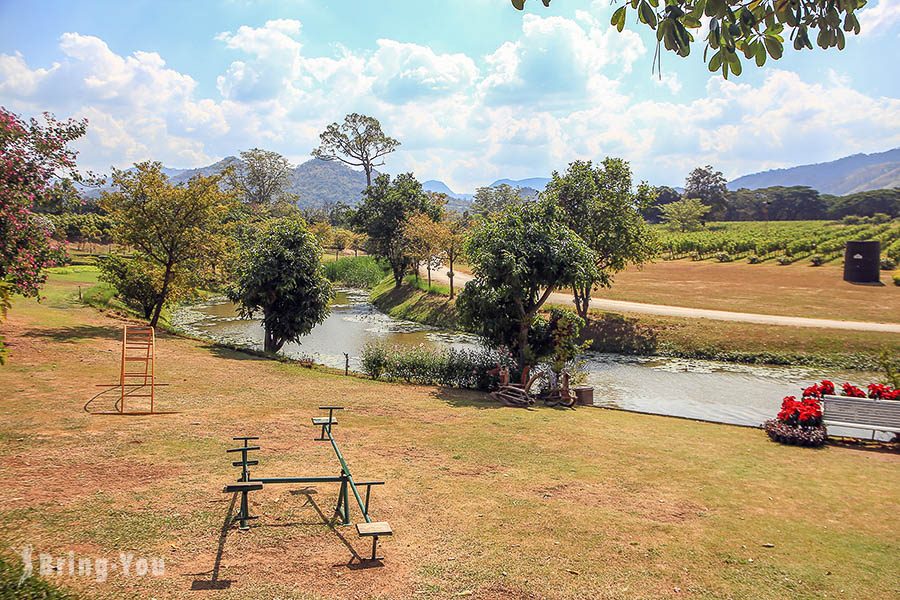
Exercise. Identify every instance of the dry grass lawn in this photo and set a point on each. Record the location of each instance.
(485, 502)
(795, 290)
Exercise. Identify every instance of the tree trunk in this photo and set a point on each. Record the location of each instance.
(450, 277)
(582, 300)
(271, 343)
(398, 277)
(167, 276)
(524, 328)
(368, 169)
(428, 267)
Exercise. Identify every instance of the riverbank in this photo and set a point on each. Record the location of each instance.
(707, 339)
(594, 503)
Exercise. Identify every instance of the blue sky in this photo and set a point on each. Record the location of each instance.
(473, 89)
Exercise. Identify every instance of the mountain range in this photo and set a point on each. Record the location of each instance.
(320, 183)
(848, 175)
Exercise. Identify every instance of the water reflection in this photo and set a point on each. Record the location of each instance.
(723, 392)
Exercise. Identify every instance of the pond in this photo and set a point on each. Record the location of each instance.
(700, 389)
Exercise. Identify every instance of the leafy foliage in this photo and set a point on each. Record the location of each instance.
(450, 367)
(355, 271)
(137, 282)
(601, 205)
(709, 186)
(789, 240)
(358, 142)
(755, 29)
(279, 273)
(519, 258)
(261, 177)
(684, 215)
(176, 228)
(383, 214)
(493, 199)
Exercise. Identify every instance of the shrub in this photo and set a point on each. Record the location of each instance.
(896, 278)
(135, 281)
(784, 260)
(817, 260)
(355, 271)
(451, 367)
(799, 422)
(754, 259)
(612, 332)
(723, 257)
(888, 264)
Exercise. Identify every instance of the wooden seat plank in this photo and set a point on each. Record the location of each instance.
(375, 528)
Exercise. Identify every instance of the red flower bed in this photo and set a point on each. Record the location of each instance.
(799, 422)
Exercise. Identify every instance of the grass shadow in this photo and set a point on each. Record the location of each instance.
(75, 333)
(465, 398)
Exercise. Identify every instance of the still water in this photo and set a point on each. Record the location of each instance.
(722, 392)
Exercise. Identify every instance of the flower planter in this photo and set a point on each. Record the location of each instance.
(584, 396)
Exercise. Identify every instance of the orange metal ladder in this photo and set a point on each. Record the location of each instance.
(138, 357)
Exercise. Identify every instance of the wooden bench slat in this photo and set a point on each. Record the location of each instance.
(243, 449)
(324, 421)
(375, 528)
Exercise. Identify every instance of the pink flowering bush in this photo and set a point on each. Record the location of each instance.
(34, 160)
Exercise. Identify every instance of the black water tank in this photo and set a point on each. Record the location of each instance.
(862, 262)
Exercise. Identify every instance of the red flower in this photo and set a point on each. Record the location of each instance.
(852, 391)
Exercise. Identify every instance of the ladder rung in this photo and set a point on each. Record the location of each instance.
(138, 395)
(143, 358)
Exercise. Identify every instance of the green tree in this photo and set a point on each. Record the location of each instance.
(493, 199)
(171, 227)
(421, 234)
(451, 241)
(602, 206)
(684, 215)
(358, 142)
(755, 29)
(261, 177)
(662, 195)
(280, 273)
(383, 214)
(341, 239)
(137, 282)
(710, 187)
(519, 258)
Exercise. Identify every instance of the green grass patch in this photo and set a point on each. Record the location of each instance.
(31, 588)
(355, 271)
(413, 304)
(422, 284)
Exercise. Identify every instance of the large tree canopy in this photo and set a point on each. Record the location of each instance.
(261, 178)
(358, 142)
(602, 206)
(754, 28)
(383, 214)
(519, 258)
(280, 274)
(171, 227)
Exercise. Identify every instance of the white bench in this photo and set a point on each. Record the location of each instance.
(861, 413)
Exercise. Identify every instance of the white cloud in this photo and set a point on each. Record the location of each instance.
(553, 94)
(880, 18)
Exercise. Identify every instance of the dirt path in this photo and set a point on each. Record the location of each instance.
(440, 275)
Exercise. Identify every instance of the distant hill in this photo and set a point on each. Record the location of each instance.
(316, 182)
(848, 175)
(535, 183)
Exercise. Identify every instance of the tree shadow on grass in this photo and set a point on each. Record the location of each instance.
(465, 398)
(75, 333)
(234, 353)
